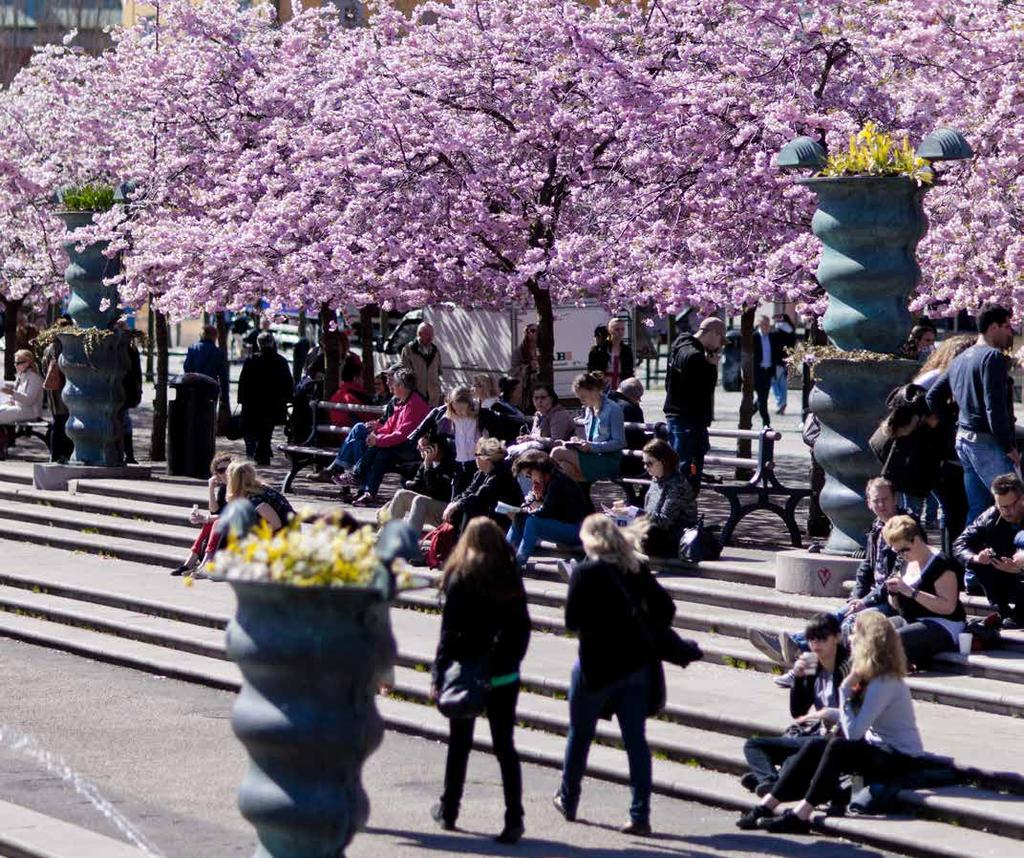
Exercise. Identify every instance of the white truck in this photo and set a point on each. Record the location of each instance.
(482, 341)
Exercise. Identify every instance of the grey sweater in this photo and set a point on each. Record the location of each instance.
(885, 717)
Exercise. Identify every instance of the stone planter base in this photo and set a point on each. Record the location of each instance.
(813, 574)
(54, 477)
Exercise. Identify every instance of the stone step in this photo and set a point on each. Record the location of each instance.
(114, 547)
(730, 644)
(544, 717)
(97, 504)
(98, 605)
(914, 835)
(168, 536)
(720, 752)
(25, 833)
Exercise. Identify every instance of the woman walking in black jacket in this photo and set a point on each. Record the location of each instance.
(613, 605)
(484, 612)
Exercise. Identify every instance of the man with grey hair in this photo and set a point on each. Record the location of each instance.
(423, 357)
(388, 443)
(690, 394)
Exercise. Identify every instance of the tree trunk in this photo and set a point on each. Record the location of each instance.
(150, 337)
(11, 310)
(743, 445)
(330, 342)
(223, 405)
(158, 438)
(366, 344)
(545, 334)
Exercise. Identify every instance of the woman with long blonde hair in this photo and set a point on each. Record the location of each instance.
(613, 604)
(879, 733)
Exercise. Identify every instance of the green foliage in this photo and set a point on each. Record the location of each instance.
(874, 153)
(88, 198)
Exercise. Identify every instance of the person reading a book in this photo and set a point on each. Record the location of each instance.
(670, 505)
(553, 510)
(493, 492)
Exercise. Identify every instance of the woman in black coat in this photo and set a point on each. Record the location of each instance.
(493, 483)
(484, 613)
(613, 606)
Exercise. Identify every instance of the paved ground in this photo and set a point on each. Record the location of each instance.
(162, 754)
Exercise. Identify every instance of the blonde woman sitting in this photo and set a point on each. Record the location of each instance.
(23, 397)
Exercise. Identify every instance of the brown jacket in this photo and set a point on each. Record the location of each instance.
(428, 371)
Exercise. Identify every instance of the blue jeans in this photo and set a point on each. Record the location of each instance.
(691, 443)
(846, 622)
(780, 386)
(377, 461)
(352, 448)
(983, 460)
(528, 530)
(628, 699)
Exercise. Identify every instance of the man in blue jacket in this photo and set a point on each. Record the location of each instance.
(207, 358)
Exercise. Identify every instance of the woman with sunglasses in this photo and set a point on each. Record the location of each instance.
(218, 498)
(23, 397)
(670, 505)
(926, 595)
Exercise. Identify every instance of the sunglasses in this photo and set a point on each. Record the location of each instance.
(220, 470)
(903, 551)
(649, 462)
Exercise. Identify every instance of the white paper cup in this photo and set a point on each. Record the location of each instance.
(966, 641)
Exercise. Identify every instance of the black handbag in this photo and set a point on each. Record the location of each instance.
(464, 688)
(698, 543)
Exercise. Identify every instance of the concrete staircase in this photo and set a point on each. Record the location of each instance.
(113, 601)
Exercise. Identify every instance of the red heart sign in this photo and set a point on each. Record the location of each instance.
(824, 575)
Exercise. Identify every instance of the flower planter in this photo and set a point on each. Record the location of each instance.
(849, 400)
(312, 659)
(94, 393)
(869, 228)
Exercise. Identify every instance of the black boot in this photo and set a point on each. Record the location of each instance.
(513, 829)
(441, 816)
(129, 449)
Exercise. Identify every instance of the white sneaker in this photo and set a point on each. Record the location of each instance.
(785, 680)
(789, 648)
(769, 645)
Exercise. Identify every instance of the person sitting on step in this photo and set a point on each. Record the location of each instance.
(879, 737)
(869, 590)
(813, 702)
(992, 547)
(424, 498)
(217, 487)
(493, 483)
(554, 508)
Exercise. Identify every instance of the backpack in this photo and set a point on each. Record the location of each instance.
(440, 544)
(698, 543)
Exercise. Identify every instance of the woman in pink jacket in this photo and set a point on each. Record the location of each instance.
(388, 444)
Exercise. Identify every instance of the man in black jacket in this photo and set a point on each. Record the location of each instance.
(629, 394)
(989, 547)
(422, 500)
(690, 394)
(767, 357)
(813, 702)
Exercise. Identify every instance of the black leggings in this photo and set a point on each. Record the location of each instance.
(501, 713)
(813, 774)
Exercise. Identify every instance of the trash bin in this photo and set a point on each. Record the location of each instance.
(731, 359)
(192, 425)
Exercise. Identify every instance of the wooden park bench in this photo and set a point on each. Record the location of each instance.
(324, 440)
(39, 428)
(762, 491)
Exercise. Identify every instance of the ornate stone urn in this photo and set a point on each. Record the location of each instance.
(869, 227)
(312, 658)
(93, 359)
